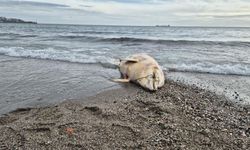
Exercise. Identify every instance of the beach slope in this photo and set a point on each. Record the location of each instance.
(175, 117)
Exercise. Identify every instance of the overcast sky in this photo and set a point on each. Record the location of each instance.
(131, 12)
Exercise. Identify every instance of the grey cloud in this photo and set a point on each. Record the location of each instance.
(85, 6)
(232, 16)
(29, 3)
(132, 1)
(174, 12)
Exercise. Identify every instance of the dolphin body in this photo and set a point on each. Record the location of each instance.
(143, 70)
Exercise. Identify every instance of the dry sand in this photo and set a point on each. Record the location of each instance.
(175, 117)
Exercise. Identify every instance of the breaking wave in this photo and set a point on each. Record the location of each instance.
(58, 55)
(152, 41)
(109, 62)
(15, 35)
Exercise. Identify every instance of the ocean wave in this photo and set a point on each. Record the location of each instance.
(15, 35)
(58, 55)
(148, 40)
(95, 32)
(9, 34)
(242, 69)
(88, 38)
(163, 41)
(212, 68)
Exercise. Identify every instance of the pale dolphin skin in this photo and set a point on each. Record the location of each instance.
(142, 69)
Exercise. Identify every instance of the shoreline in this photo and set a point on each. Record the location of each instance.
(33, 82)
(28, 82)
(176, 116)
(233, 87)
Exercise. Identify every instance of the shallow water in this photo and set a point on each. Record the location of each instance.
(44, 64)
(32, 83)
(234, 87)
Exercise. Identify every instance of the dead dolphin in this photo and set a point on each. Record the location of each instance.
(143, 70)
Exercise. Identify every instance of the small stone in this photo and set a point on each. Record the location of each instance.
(243, 134)
(224, 130)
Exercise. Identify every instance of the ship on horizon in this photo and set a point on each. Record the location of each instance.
(162, 25)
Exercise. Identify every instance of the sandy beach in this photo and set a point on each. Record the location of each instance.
(64, 64)
(175, 117)
(56, 90)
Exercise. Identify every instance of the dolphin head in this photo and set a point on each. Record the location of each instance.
(154, 80)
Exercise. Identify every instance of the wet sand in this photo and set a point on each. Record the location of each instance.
(175, 117)
(34, 82)
(234, 87)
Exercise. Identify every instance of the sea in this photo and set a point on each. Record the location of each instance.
(44, 64)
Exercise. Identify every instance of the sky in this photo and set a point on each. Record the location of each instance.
(131, 12)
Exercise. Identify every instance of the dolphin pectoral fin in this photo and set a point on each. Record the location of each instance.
(121, 80)
(131, 60)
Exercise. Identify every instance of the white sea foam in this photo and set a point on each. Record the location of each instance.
(53, 54)
(208, 67)
(106, 61)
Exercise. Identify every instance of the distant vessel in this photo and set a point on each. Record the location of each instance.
(162, 25)
(14, 20)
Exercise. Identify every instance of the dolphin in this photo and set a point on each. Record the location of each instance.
(143, 70)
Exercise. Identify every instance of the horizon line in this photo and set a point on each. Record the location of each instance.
(127, 25)
(157, 25)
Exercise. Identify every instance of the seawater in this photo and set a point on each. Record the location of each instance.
(189, 49)
(181, 51)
